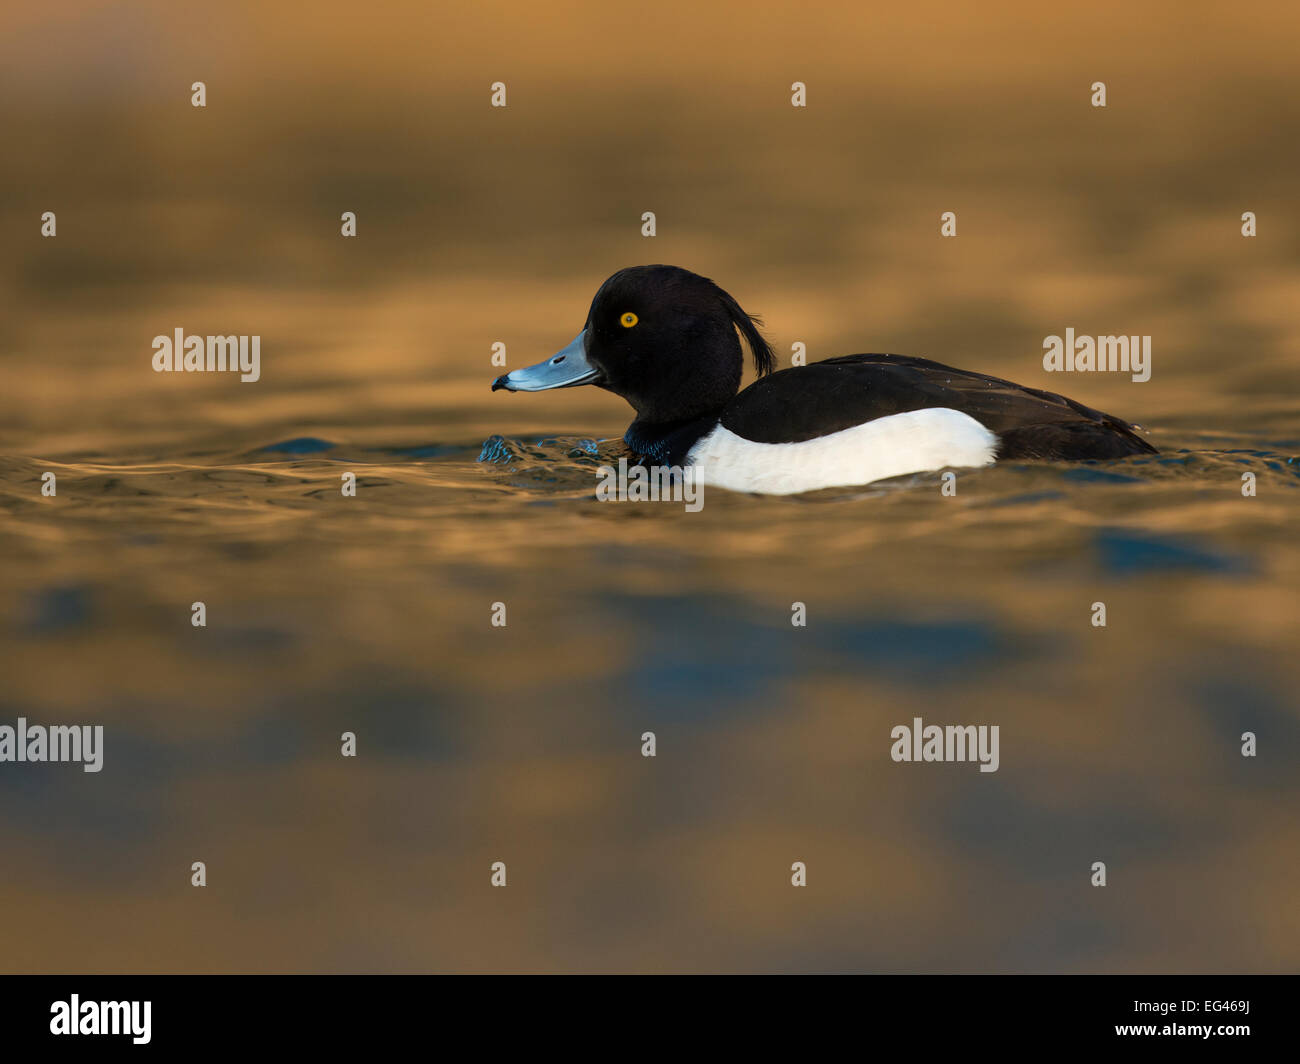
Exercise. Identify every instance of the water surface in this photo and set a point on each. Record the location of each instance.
(372, 614)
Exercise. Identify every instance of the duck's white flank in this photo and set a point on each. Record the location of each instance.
(920, 440)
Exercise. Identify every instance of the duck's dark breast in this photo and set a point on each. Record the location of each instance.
(825, 397)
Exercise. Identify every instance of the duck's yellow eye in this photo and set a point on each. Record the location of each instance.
(628, 320)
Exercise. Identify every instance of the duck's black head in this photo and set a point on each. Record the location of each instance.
(661, 337)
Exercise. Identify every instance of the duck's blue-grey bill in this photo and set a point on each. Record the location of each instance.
(564, 369)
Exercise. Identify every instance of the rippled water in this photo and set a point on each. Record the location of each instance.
(328, 614)
(522, 744)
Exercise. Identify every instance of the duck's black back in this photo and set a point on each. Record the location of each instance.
(815, 400)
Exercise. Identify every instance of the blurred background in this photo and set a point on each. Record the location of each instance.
(479, 225)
